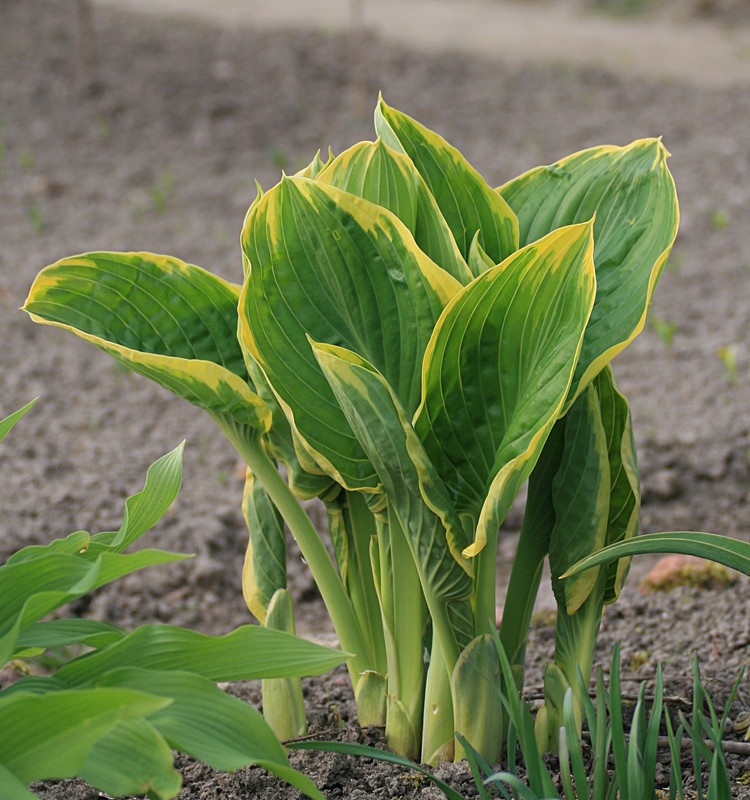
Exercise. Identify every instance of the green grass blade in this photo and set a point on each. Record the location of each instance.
(473, 757)
(8, 422)
(651, 739)
(676, 789)
(365, 751)
(733, 553)
(573, 746)
(619, 746)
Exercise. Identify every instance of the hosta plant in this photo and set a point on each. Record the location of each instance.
(113, 714)
(412, 346)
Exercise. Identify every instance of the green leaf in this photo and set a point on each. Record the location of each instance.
(464, 198)
(49, 736)
(70, 545)
(632, 194)
(8, 422)
(388, 178)
(580, 491)
(625, 489)
(210, 724)
(170, 321)
(414, 491)
(63, 632)
(132, 758)
(497, 371)
(13, 789)
(264, 570)
(342, 270)
(30, 589)
(144, 509)
(247, 653)
(733, 553)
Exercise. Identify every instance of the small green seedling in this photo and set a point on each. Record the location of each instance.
(728, 356)
(720, 218)
(664, 329)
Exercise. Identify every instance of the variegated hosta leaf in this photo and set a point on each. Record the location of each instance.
(388, 178)
(316, 166)
(464, 198)
(264, 570)
(633, 196)
(170, 321)
(329, 265)
(580, 492)
(414, 491)
(625, 487)
(596, 491)
(497, 371)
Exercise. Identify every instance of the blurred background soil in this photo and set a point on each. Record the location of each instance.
(150, 136)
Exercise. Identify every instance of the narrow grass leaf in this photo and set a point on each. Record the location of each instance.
(8, 422)
(733, 553)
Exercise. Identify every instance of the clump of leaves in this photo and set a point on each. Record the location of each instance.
(113, 715)
(412, 345)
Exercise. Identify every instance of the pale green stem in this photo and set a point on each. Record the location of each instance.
(484, 587)
(406, 625)
(345, 623)
(437, 735)
(363, 529)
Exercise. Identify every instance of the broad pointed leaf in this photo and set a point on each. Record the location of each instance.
(414, 491)
(132, 758)
(336, 267)
(580, 491)
(30, 589)
(170, 321)
(49, 736)
(144, 509)
(264, 570)
(497, 371)
(247, 653)
(464, 198)
(632, 194)
(388, 178)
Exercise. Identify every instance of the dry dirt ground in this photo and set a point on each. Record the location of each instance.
(158, 149)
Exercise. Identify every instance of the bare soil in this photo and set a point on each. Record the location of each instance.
(157, 146)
